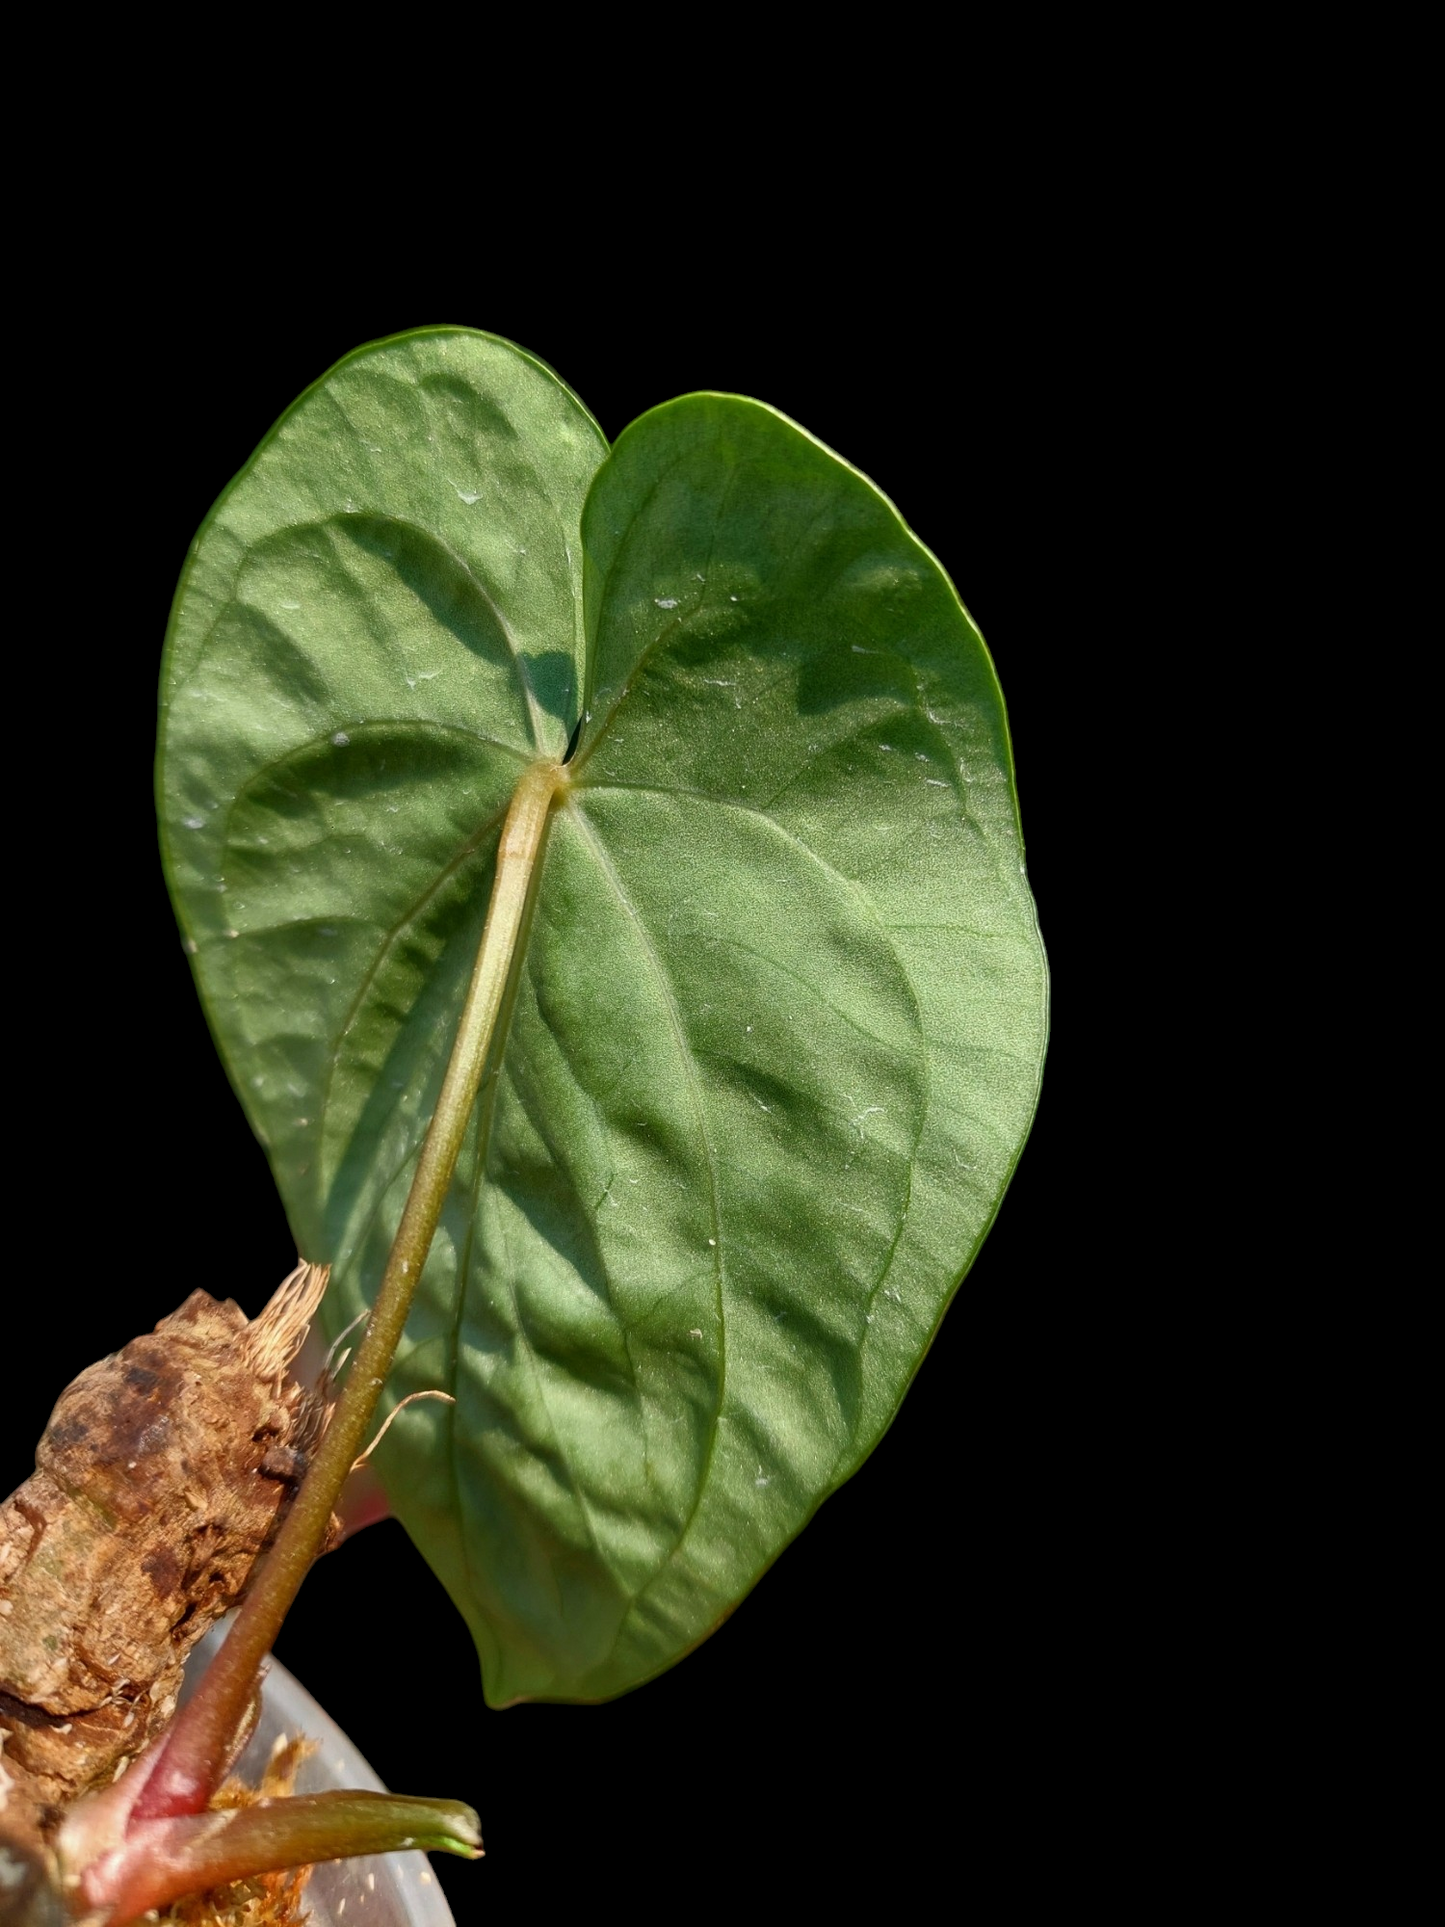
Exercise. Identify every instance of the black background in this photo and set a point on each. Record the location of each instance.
(920, 1682)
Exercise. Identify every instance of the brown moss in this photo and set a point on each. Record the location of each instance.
(268, 1899)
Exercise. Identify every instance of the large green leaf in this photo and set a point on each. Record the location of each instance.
(776, 1034)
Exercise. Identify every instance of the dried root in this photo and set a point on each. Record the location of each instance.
(165, 1470)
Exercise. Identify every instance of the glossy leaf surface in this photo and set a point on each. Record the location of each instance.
(777, 1030)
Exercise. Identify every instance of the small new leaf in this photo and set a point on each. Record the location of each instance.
(161, 1860)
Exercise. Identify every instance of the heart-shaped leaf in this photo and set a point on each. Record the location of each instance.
(775, 1036)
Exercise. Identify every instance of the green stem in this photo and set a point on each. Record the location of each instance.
(186, 1772)
(195, 1851)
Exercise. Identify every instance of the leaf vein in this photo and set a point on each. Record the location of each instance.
(690, 1068)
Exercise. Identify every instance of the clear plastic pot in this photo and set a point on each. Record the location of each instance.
(382, 1890)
